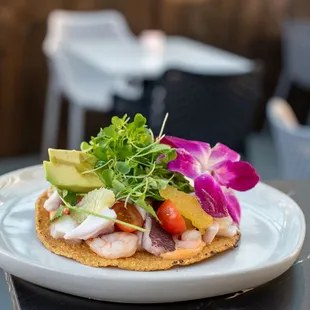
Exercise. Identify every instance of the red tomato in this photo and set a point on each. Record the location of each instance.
(79, 198)
(128, 214)
(170, 217)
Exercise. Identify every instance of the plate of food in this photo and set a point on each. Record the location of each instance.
(133, 217)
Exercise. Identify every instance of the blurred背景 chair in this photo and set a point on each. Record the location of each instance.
(84, 86)
(292, 140)
(210, 108)
(296, 59)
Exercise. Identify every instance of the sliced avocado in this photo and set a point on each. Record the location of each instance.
(67, 177)
(81, 160)
(65, 170)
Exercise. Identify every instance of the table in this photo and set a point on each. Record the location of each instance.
(130, 59)
(290, 291)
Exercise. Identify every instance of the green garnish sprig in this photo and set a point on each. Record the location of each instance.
(64, 196)
(132, 162)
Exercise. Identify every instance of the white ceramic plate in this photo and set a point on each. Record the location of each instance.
(273, 230)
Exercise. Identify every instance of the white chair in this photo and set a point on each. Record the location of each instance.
(296, 56)
(85, 87)
(292, 141)
(77, 25)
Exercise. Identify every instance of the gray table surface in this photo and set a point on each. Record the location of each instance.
(5, 301)
(290, 291)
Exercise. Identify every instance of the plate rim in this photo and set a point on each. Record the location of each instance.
(166, 276)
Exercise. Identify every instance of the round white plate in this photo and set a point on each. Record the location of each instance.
(273, 231)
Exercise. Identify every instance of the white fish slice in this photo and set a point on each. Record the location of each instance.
(53, 202)
(92, 226)
(62, 226)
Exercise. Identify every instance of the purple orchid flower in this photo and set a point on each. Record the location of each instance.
(215, 172)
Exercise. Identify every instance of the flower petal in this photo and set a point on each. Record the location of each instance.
(200, 150)
(240, 175)
(210, 196)
(232, 205)
(185, 164)
(221, 152)
(160, 158)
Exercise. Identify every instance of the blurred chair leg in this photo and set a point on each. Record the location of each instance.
(76, 126)
(284, 86)
(51, 117)
(157, 108)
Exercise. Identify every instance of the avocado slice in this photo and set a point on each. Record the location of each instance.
(64, 171)
(69, 178)
(76, 158)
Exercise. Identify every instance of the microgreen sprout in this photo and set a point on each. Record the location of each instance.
(127, 161)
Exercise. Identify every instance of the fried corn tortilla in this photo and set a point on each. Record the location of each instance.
(140, 261)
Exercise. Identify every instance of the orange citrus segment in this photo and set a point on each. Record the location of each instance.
(188, 223)
(188, 206)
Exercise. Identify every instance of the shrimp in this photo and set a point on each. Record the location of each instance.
(115, 245)
(229, 231)
(224, 222)
(211, 232)
(226, 227)
(190, 239)
(93, 226)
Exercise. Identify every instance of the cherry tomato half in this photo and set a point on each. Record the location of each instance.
(79, 198)
(171, 218)
(128, 214)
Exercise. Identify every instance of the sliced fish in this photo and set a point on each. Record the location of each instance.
(93, 226)
(53, 202)
(156, 241)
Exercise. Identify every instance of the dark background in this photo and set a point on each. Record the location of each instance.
(251, 28)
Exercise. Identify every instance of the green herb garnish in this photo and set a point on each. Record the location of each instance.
(72, 208)
(63, 195)
(132, 163)
(59, 213)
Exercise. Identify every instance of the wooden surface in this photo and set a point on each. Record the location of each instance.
(247, 27)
